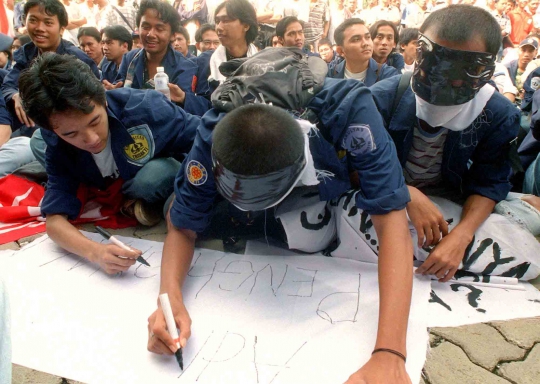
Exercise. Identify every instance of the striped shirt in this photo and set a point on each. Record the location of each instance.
(423, 166)
(319, 14)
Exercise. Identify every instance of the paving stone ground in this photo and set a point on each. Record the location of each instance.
(493, 353)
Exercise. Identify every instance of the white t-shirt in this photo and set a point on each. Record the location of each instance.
(408, 68)
(105, 161)
(358, 76)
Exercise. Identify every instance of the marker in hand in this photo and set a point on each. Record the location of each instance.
(115, 241)
(171, 326)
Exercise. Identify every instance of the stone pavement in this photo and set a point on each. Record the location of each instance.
(490, 353)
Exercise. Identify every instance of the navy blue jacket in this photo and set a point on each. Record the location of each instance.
(168, 131)
(5, 117)
(512, 70)
(486, 142)
(109, 70)
(23, 58)
(203, 72)
(373, 75)
(530, 85)
(346, 115)
(396, 60)
(181, 71)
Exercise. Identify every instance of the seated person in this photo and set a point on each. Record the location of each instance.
(97, 138)
(180, 42)
(408, 45)
(255, 156)
(453, 139)
(116, 42)
(6, 56)
(90, 42)
(158, 22)
(528, 49)
(236, 26)
(504, 84)
(328, 54)
(206, 38)
(290, 33)
(385, 39)
(38, 15)
(355, 45)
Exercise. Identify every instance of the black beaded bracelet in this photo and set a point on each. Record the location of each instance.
(390, 351)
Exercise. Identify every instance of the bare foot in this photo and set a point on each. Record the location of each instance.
(532, 200)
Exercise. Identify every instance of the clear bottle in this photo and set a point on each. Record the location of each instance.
(161, 82)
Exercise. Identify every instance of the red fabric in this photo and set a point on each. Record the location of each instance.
(20, 213)
(4, 25)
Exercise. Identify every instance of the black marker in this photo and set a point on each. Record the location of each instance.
(115, 241)
(449, 221)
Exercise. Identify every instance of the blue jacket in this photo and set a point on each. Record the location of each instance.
(203, 72)
(181, 72)
(168, 130)
(512, 70)
(396, 60)
(109, 70)
(486, 142)
(23, 58)
(5, 117)
(346, 112)
(373, 75)
(530, 85)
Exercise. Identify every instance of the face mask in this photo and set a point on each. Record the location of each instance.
(257, 192)
(449, 77)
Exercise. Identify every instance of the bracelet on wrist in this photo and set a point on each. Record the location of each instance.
(390, 351)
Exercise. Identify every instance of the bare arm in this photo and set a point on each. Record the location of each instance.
(76, 23)
(63, 233)
(175, 263)
(5, 134)
(395, 290)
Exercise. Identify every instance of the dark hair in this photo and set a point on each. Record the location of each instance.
(460, 23)
(89, 31)
(184, 32)
(202, 30)
(257, 139)
(282, 25)
(243, 11)
(340, 30)
(325, 42)
(51, 8)
(166, 13)
(120, 33)
(374, 29)
(58, 83)
(407, 35)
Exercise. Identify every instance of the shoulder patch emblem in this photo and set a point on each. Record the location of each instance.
(359, 140)
(142, 149)
(196, 173)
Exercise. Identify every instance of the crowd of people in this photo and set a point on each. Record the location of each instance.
(330, 126)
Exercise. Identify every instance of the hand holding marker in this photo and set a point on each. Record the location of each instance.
(171, 326)
(115, 241)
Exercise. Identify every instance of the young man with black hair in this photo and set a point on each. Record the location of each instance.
(290, 32)
(45, 21)
(180, 42)
(90, 42)
(385, 38)
(97, 138)
(355, 45)
(408, 45)
(255, 157)
(453, 133)
(158, 22)
(328, 54)
(206, 38)
(116, 42)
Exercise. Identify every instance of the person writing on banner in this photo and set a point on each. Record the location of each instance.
(127, 138)
(454, 133)
(272, 169)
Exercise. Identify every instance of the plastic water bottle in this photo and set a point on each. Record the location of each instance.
(161, 82)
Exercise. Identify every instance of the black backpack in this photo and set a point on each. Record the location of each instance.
(284, 77)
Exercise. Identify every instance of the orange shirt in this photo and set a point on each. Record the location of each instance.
(522, 25)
